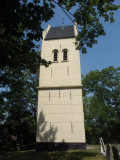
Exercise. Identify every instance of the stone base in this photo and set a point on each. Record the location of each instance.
(56, 146)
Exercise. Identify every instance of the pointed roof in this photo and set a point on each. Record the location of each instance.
(60, 32)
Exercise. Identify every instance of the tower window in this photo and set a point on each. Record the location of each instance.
(55, 55)
(65, 55)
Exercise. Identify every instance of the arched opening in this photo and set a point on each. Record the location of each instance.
(65, 55)
(55, 55)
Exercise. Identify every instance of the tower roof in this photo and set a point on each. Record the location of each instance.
(60, 32)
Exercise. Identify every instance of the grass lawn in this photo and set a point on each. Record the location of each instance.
(118, 147)
(89, 154)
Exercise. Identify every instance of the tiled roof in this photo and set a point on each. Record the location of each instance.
(60, 32)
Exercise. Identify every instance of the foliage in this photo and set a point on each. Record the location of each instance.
(20, 27)
(102, 105)
(19, 105)
(89, 16)
(21, 20)
(20, 30)
(92, 154)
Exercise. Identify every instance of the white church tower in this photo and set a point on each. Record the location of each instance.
(60, 117)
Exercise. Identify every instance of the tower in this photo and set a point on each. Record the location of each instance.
(60, 117)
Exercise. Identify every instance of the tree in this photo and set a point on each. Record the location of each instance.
(20, 104)
(102, 105)
(20, 29)
(20, 26)
(88, 16)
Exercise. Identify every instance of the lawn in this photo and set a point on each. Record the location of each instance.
(89, 154)
(118, 147)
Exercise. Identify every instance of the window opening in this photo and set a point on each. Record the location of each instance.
(65, 58)
(55, 58)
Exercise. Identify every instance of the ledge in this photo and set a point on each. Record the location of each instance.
(65, 61)
(60, 87)
(55, 62)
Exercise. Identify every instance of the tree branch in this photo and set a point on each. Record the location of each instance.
(65, 11)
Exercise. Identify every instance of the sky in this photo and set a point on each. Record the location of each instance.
(103, 54)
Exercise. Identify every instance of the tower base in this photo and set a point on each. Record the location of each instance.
(57, 146)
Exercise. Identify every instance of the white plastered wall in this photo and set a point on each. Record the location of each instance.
(60, 109)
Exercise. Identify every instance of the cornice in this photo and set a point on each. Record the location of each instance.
(60, 87)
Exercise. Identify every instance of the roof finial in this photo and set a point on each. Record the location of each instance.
(63, 21)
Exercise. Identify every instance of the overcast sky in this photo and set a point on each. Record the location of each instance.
(103, 54)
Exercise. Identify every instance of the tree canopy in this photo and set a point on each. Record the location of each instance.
(20, 30)
(21, 20)
(18, 110)
(102, 105)
(20, 27)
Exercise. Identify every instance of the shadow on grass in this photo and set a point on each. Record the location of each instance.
(72, 155)
(58, 155)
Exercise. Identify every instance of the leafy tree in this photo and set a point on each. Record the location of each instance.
(20, 26)
(20, 104)
(102, 105)
(88, 16)
(20, 29)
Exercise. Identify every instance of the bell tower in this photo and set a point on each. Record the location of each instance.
(60, 117)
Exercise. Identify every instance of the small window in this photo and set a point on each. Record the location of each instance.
(65, 55)
(55, 55)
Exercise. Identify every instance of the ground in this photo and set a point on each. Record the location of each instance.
(90, 154)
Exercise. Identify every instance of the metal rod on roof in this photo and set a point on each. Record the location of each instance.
(63, 21)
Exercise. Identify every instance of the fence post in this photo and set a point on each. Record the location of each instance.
(102, 147)
(108, 152)
(115, 153)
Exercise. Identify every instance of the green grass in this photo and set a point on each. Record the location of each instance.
(89, 154)
(118, 147)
